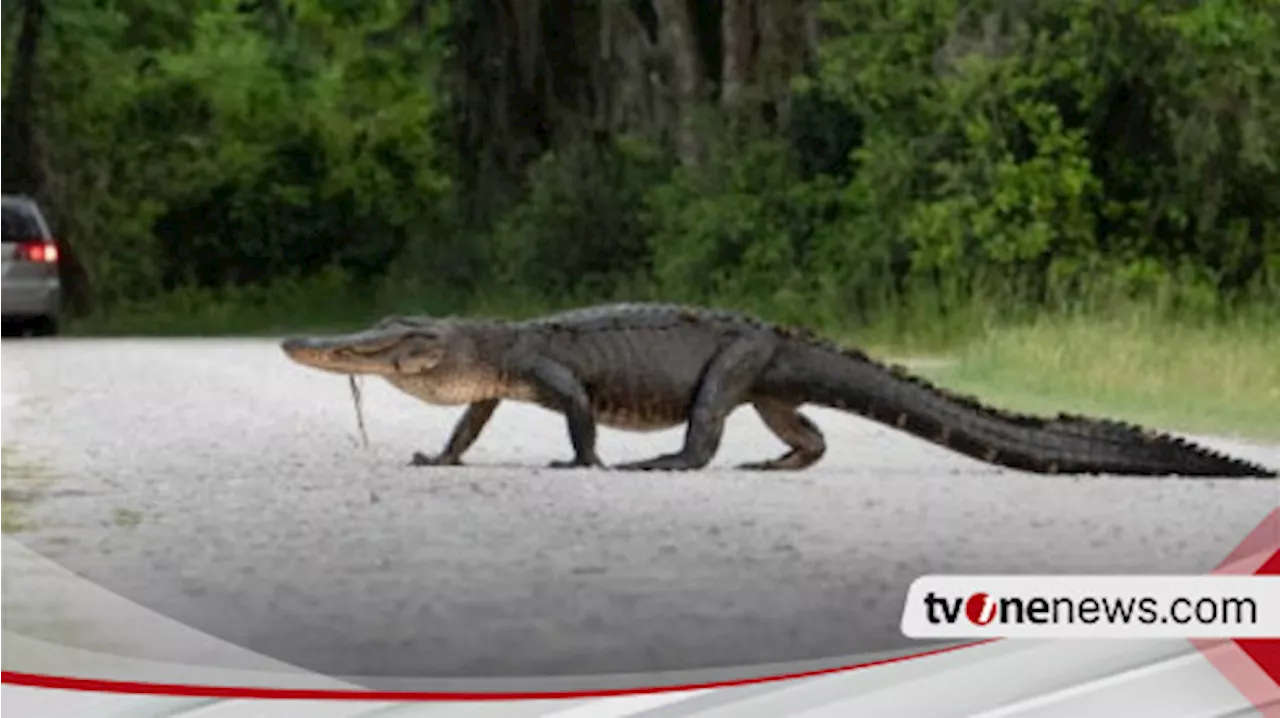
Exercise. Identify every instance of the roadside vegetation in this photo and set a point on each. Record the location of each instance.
(1197, 378)
(1078, 202)
(24, 480)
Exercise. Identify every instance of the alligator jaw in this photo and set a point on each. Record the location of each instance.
(367, 352)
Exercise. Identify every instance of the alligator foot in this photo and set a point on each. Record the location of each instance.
(576, 464)
(791, 461)
(770, 465)
(421, 459)
(666, 462)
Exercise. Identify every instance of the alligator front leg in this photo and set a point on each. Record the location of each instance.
(726, 383)
(464, 435)
(561, 390)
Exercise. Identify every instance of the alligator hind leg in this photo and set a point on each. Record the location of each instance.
(796, 430)
(726, 383)
(464, 435)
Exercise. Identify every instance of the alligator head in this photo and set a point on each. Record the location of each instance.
(393, 346)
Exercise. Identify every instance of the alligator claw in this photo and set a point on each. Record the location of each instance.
(669, 462)
(784, 464)
(421, 459)
(575, 464)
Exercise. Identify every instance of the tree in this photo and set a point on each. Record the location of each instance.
(24, 161)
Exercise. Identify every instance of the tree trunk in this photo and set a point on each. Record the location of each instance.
(676, 33)
(737, 31)
(786, 29)
(24, 170)
(624, 86)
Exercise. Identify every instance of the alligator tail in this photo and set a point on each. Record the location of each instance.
(1065, 444)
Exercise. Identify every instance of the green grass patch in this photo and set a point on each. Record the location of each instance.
(1221, 378)
(12, 499)
(11, 516)
(22, 484)
(328, 301)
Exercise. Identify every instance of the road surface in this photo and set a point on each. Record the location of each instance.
(217, 483)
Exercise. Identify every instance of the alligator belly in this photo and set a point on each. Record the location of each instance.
(641, 417)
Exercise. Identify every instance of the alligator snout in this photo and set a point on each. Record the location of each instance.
(341, 354)
(305, 350)
(297, 346)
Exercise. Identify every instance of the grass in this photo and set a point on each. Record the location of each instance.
(11, 499)
(1178, 358)
(1217, 378)
(22, 483)
(11, 515)
(322, 303)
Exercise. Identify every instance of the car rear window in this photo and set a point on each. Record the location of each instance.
(20, 223)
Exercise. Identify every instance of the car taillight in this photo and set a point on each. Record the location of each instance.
(36, 250)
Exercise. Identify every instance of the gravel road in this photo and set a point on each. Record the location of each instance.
(219, 484)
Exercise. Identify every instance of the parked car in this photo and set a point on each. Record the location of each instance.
(32, 290)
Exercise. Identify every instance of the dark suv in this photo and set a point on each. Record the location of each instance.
(32, 291)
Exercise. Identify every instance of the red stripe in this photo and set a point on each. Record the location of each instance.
(1264, 537)
(1251, 665)
(177, 689)
(1265, 651)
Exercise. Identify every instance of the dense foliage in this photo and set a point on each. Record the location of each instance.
(794, 156)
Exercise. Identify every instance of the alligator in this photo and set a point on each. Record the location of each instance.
(653, 366)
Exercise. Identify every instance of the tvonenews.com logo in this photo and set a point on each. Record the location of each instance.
(1093, 606)
(981, 609)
